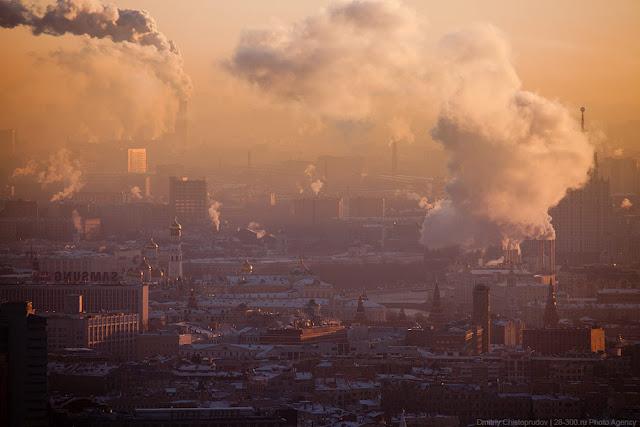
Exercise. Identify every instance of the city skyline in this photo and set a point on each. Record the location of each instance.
(349, 213)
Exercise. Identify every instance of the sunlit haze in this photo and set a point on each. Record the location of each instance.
(319, 213)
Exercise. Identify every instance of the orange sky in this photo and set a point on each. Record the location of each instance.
(577, 51)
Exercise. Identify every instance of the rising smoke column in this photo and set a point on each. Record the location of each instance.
(513, 154)
(214, 214)
(77, 221)
(61, 168)
(136, 192)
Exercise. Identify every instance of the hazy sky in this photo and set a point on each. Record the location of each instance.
(575, 51)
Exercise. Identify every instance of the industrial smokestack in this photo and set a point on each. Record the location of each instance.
(249, 159)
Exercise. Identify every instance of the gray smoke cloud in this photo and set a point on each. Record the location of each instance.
(513, 154)
(352, 63)
(136, 44)
(96, 20)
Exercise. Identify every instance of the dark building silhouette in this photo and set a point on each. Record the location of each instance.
(557, 341)
(581, 221)
(23, 348)
(436, 315)
(481, 316)
(551, 317)
(188, 200)
(361, 316)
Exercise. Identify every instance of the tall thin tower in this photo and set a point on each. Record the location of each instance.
(582, 110)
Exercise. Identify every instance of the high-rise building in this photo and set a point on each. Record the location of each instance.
(539, 255)
(623, 175)
(175, 251)
(582, 220)
(551, 317)
(188, 200)
(137, 160)
(481, 316)
(23, 343)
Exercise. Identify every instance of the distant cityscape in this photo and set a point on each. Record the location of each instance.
(351, 217)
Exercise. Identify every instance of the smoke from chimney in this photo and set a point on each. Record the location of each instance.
(316, 186)
(59, 168)
(77, 222)
(214, 214)
(513, 154)
(136, 192)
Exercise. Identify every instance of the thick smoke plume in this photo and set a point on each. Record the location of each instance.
(513, 154)
(123, 55)
(349, 63)
(101, 21)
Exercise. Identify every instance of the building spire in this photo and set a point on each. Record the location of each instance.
(436, 296)
(361, 316)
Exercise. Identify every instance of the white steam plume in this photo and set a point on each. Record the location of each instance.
(29, 169)
(353, 62)
(60, 168)
(257, 229)
(310, 170)
(513, 154)
(423, 201)
(136, 192)
(77, 221)
(214, 214)
(316, 186)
